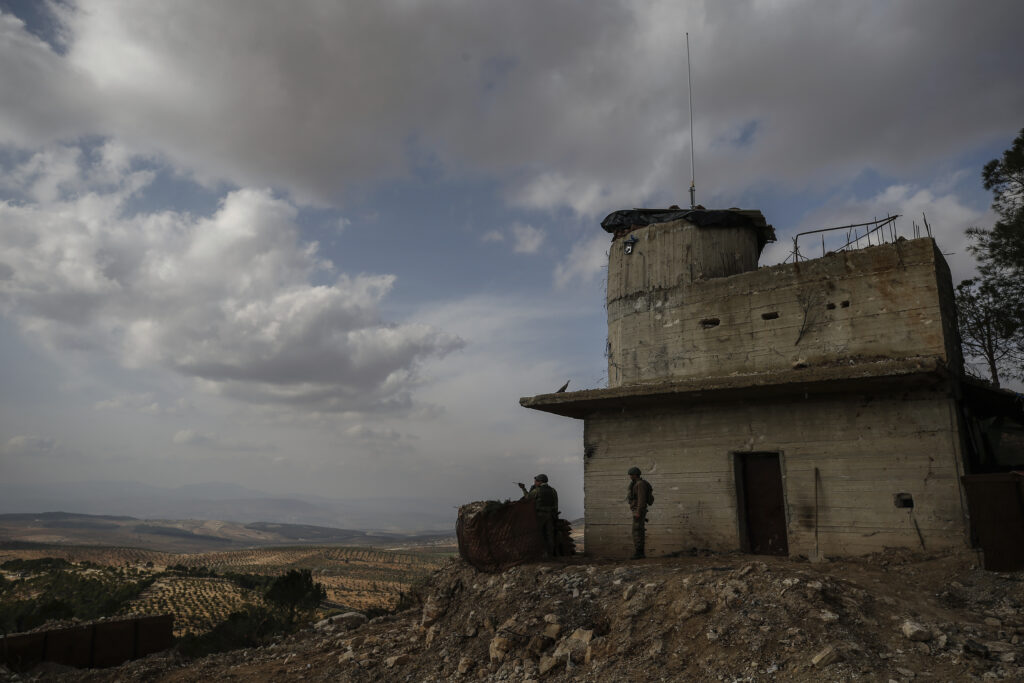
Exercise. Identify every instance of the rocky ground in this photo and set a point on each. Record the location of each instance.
(894, 616)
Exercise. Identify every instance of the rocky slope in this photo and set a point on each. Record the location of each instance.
(894, 616)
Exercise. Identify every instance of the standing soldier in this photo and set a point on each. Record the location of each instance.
(545, 501)
(639, 498)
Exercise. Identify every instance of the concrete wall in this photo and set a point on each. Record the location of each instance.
(669, 254)
(866, 448)
(892, 301)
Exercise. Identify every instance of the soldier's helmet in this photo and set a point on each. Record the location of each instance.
(634, 470)
(542, 478)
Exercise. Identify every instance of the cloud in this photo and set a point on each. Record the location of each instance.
(146, 403)
(586, 261)
(527, 238)
(492, 236)
(325, 98)
(365, 433)
(227, 299)
(192, 438)
(947, 215)
(28, 445)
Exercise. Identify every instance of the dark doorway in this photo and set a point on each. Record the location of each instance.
(762, 507)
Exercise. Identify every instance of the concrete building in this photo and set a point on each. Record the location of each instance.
(811, 409)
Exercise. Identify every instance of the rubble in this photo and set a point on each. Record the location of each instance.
(897, 616)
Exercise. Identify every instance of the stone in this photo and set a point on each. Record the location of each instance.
(509, 624)
(552, 630)
(575, 646)
(582, 635)
(431, 634)
(433, 609)
(695, 607)
(828, 655)
(915, 631)
(538, 644)
(629, 592)
(357, 641)
(499, 647)
(906, 673)
(975, 648)
(550, 619)
(346, 657)
(547, 663)
(992, 621)
(999, 646)
(465, 664)
(349, 620)
(828, 617)
(732, 594)
(397, 660)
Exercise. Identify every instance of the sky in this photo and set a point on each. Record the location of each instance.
(321, 249)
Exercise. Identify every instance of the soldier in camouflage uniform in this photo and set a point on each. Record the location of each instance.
(638, 497)
(545, 501)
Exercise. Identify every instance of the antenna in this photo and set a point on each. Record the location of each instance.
(689, 99)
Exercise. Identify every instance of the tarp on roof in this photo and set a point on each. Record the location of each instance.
(621, 222)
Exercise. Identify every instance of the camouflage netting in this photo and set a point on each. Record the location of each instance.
(494, 536)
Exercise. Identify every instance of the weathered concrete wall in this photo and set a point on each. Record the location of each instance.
(670, 254)
(866, 449)
(890, 301)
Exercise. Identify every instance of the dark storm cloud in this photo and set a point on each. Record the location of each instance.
(571, 104)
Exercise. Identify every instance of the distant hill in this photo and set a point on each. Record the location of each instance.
(232, 502)
(185, 536)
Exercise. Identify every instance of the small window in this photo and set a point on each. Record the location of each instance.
(770, 316)
(830, 306)
(845, 304)
(903, 500)
(708, 323)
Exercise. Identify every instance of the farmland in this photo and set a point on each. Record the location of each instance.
(197, 603)
(203, 589)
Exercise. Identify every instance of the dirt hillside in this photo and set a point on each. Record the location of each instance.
(894, 616)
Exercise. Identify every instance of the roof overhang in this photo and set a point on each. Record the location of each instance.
(926, 373)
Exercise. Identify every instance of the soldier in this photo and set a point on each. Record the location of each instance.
(545, 501)
(639, 497)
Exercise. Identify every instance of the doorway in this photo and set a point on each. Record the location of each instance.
(761, 503)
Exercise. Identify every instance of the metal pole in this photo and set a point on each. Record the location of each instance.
(689, 99)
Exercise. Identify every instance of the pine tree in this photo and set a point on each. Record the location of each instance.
(990, 308)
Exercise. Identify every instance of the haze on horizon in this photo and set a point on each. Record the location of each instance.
(321, 249)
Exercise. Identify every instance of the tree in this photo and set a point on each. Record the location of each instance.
(296, 590)
(1005, 179)
(990, 308)
(987, 329)
(1002, 246)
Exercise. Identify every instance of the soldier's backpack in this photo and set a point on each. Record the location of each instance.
(650, 493)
